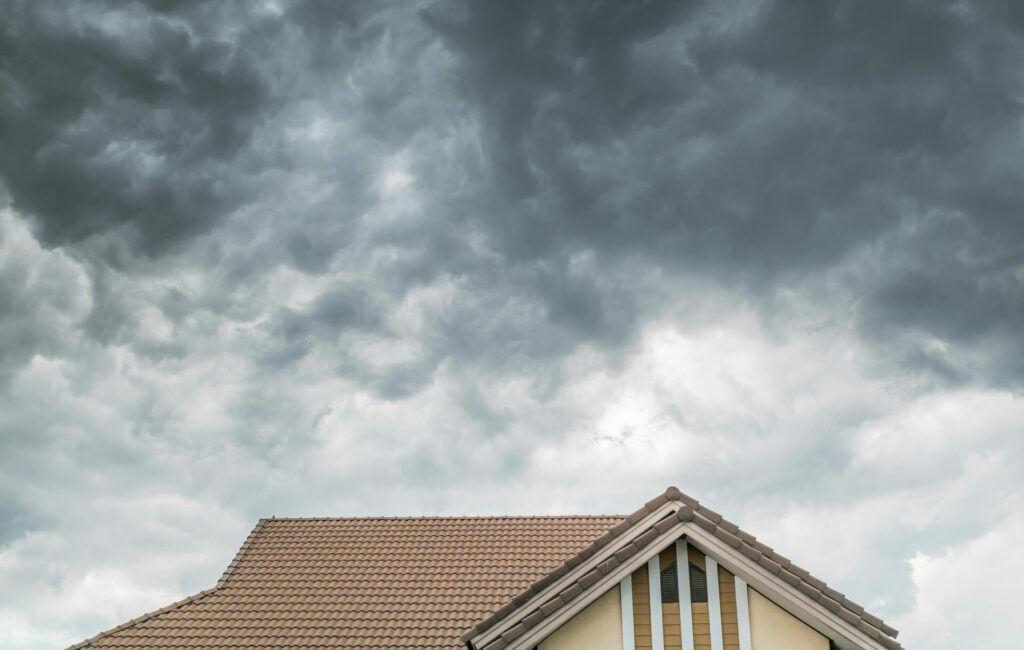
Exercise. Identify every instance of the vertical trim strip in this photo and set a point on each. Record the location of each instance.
(714, 603)
(743, 613)
(685, 607)
(626, 600)
(654, 588)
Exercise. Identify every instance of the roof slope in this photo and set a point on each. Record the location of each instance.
(363, 583)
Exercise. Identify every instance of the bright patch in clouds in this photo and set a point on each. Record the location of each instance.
(950, 586)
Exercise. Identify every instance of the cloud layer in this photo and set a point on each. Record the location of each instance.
(455, 258)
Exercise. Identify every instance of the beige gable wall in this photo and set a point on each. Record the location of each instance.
(773, 628)
(597, 627)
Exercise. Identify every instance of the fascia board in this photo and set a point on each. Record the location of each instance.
(781, 593)
(576, 572)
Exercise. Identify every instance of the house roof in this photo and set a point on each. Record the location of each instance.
(363, 583)
(570, 581)
(421, 582)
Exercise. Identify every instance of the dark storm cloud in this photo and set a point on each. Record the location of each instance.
(960, 284)
(751, 144)
(762, 146)
(605, 131)
(114, 116)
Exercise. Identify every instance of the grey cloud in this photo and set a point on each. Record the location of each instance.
(41, 301)
(958, 285)
(308, 254)
(17, 518)
(343, 307)
(119, 119)
(292, 333)
(760, 149)
(717, 174)
(927, 103)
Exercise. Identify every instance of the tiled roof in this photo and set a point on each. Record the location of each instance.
(421, 582)
(363, 583)
(690, 510)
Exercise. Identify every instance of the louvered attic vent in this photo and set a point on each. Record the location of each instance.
(670, 585)
(698, 584)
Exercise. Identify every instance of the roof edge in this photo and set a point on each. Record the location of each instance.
(145, 617)
(419, 518)
(241, 553)
(188, 600)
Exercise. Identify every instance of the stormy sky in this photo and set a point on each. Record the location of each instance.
(346, 258)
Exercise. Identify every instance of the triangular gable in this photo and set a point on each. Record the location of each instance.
(542, 608)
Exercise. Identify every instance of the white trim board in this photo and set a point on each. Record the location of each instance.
(685, 606)
(714, 602)
(626, 603)
(743, 613)
(654, 589)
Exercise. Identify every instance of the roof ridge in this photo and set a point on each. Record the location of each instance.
(444, 518)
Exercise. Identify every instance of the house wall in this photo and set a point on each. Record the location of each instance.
(641, 610)
(597, 627)
(773, 628)
(727, 600)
